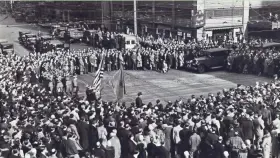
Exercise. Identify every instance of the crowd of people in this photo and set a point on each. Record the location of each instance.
(42, 115)
(237, 122)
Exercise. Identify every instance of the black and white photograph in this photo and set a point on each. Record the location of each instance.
(139, 79)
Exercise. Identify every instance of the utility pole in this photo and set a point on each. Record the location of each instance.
(102, 12)
(153, 13)
(135, 17)
(245, 17)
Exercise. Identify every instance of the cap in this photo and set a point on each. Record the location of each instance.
(140, 93)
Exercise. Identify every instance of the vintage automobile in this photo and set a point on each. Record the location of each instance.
(46, 38)
(53, 45)
(208, 59)
(29, 39)
(30, 43)
(76, 34)
(7, 48)
(3, 41)
(60, 32)
(21, 37)
(54, 28)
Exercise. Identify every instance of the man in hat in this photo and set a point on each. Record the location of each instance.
(138, 100)
(85, 60)
(75, 85)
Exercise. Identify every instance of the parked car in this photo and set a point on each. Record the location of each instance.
(53, 45)
(208, 59)
(7, 48)
(76, 34)
(28, 39)
(21, 37)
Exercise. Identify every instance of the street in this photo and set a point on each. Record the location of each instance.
(166, 87)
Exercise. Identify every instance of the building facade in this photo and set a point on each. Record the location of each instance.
(201, 19)
(225, 18)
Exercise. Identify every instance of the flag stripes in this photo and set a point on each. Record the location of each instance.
(96, 85)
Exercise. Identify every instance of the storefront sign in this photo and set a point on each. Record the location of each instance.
(179, 33)
(198, 20)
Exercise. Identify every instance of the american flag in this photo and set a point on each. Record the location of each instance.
(98, 78)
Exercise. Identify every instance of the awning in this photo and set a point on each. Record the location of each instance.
(222, 28)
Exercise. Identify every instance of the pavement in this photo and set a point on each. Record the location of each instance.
(171, 86)
(167, 87)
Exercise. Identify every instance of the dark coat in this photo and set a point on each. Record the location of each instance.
(98, 152)
(162, 152)
(92, 136)
(131, 149)
(138, 102)
(68, 147)
(219, 150)
(247, 128)
(83, 130)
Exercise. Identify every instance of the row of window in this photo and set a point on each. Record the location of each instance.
(224, 12)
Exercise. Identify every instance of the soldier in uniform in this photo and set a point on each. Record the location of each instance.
(169, 60)
(152, 60)
(85, 60)
(75, 85)
(69, 88)
(59, 86)
(181, 59)
(156, 58)
(50, 86)
(92, 61)
(121, 60)
(115, 58)
(72, 66)
(77, 65)
(134, 60)
(82, 65)
(139, 61)
(108, 62)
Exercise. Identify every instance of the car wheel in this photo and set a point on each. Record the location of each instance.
(201, 69)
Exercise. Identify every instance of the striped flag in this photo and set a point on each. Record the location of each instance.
(98, 78)
(118, 84)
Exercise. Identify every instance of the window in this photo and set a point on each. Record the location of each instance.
(132, 42)
(127, 42)
(8, 46)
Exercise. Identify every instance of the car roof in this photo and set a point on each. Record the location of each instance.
(91, 31)
(5, 44)
(30, 34)
(216, 50)
(3, 40)
(55, 26)
(46, 36)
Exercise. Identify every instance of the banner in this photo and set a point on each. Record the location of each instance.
(118, 84)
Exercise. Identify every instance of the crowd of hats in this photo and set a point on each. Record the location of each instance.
(36, 123)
